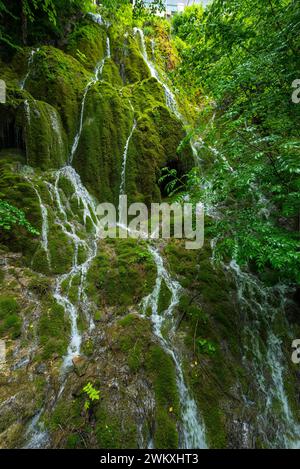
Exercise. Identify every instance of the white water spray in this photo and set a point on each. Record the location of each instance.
(79, 268)
(45, 227)
(193, 431)
(261, 307)
(97, 75)
(123, 172)
(170, 98)
(29, 63)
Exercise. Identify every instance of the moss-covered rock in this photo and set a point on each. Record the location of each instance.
(53, 330)
(87, 43)
(19, 192)
(121, 275)
(106, 127)
(160, 364)
(45, 138)
(59, 80)
(127, 55)
(10, 320)
(155, 144)
(35, 128)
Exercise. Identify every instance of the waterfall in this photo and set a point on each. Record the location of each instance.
(29, 63)
(108, 51)
(261, 306)
(97, 75)
(96, 18)
(68, 227)
(56, 126)
(123, 172)
(170, 98)
(27, 111)
(45, 227)
(36, 435)
(193, 432)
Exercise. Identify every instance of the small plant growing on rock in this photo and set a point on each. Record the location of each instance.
(92, 396)
(206, 346)
(11, 216)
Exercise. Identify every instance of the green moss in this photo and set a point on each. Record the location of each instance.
(215, 424)
(162, 369)
(157, 137)
(8, 71)
(59, 80)
(73, 441)
(10, 320)
(45, 137)
(121, 275)
(166, 434)
(53, 330)
(19, 192)
(106, 126)
(66, 414)
(8, 305)
(127, 54)
(110, 73)
(164, 297)
(61, 251)
(40, 285)
(113, 432)
(87, 44)
(133, 340)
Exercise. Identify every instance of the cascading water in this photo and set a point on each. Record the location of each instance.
(96, 18)
(79, 268)
(261, 307)
(108, 52)
(56, 126)
(123, 172)
(192, 434)
(30, 61)
(36, 434)
(192, 431)
(45, 227)
(97, 75)
(170, 98)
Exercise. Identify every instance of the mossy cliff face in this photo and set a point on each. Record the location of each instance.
(35, 128)
(59, 80)
(106, 127)
(45, 139)
(218, 369)
(43, 120)
(121, 356)
(127, 56)
(87, 44)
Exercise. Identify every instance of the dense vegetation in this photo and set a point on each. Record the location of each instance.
(239, 60)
